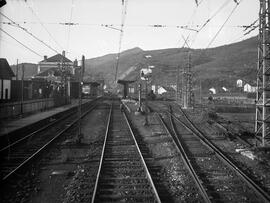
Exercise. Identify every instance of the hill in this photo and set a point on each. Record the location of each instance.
(219, 66)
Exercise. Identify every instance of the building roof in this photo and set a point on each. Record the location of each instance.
(168, 89)
(5, 70)
(125, 81)
(57, 58)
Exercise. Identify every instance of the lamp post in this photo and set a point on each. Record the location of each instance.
(146, 109)
(146, 74)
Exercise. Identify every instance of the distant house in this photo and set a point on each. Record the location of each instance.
(6, 75)
(161, 90)
(213, 90)
(225, 89)
(249, 88)
(51, 68)
(239, 83)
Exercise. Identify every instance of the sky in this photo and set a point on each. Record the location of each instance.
(45, 19)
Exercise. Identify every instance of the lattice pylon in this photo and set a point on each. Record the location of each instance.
(187, 92)
(262, 123)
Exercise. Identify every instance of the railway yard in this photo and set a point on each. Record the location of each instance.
(135, 101)
(165, 154)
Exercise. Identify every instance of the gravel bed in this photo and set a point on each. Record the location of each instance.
(258, 167)
(173, 175)
(66, 172)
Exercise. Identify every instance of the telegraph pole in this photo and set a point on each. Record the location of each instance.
(80, 135)
(178, 89)
(22, 89)
(17, 68)
(262, 122)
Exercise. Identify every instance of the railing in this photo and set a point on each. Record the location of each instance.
(14, 109)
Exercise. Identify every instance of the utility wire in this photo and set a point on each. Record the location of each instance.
(213, 39)
(42, 24)
(114, 26)
(20, 42)
(207, 21)
(220, 8)
(24, 29)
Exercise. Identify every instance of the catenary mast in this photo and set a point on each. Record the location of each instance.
(262, 123)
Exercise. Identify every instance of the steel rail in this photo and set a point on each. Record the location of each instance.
(44, 146)
(102, 155)
(33, 133)
(193, 129)
(44, 127)
(142, 159)
(185, 158)
(138, 150)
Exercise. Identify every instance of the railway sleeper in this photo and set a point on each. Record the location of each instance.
(130, 199)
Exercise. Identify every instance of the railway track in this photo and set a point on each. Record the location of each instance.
(123, 174)
(217, 177)
(21, 153)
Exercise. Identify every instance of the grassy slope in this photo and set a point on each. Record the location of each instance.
(215, 67)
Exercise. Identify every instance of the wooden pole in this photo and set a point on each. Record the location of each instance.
(17, 69)
(22, 89)
(80, 99)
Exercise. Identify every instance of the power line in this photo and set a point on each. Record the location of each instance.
(114, 26)
(220, 8)
(207, 21)
(20, 42)
(42, 24)
(24, 29)
(213, 39)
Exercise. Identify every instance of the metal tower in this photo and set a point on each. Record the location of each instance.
(262, 124)
(187, 92)
(178, 86)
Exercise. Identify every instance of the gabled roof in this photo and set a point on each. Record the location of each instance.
(5, 70)
(168, 89)
(57, 58)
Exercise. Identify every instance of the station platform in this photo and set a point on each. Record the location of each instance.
(9, 126)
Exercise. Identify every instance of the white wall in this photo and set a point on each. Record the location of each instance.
(6, 85)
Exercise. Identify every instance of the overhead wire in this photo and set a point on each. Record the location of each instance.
(215, 36)
(24, 29)
(42, 24)
(210, 19)
(114, 26)
(247, 30)
(20, 42)
(217, 11)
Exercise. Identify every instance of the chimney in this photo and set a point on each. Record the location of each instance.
(75, 63)
(45, 58)
(63, 53)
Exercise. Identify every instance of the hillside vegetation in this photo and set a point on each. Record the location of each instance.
(220, 66)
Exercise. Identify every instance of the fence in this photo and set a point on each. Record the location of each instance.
(13, 109)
